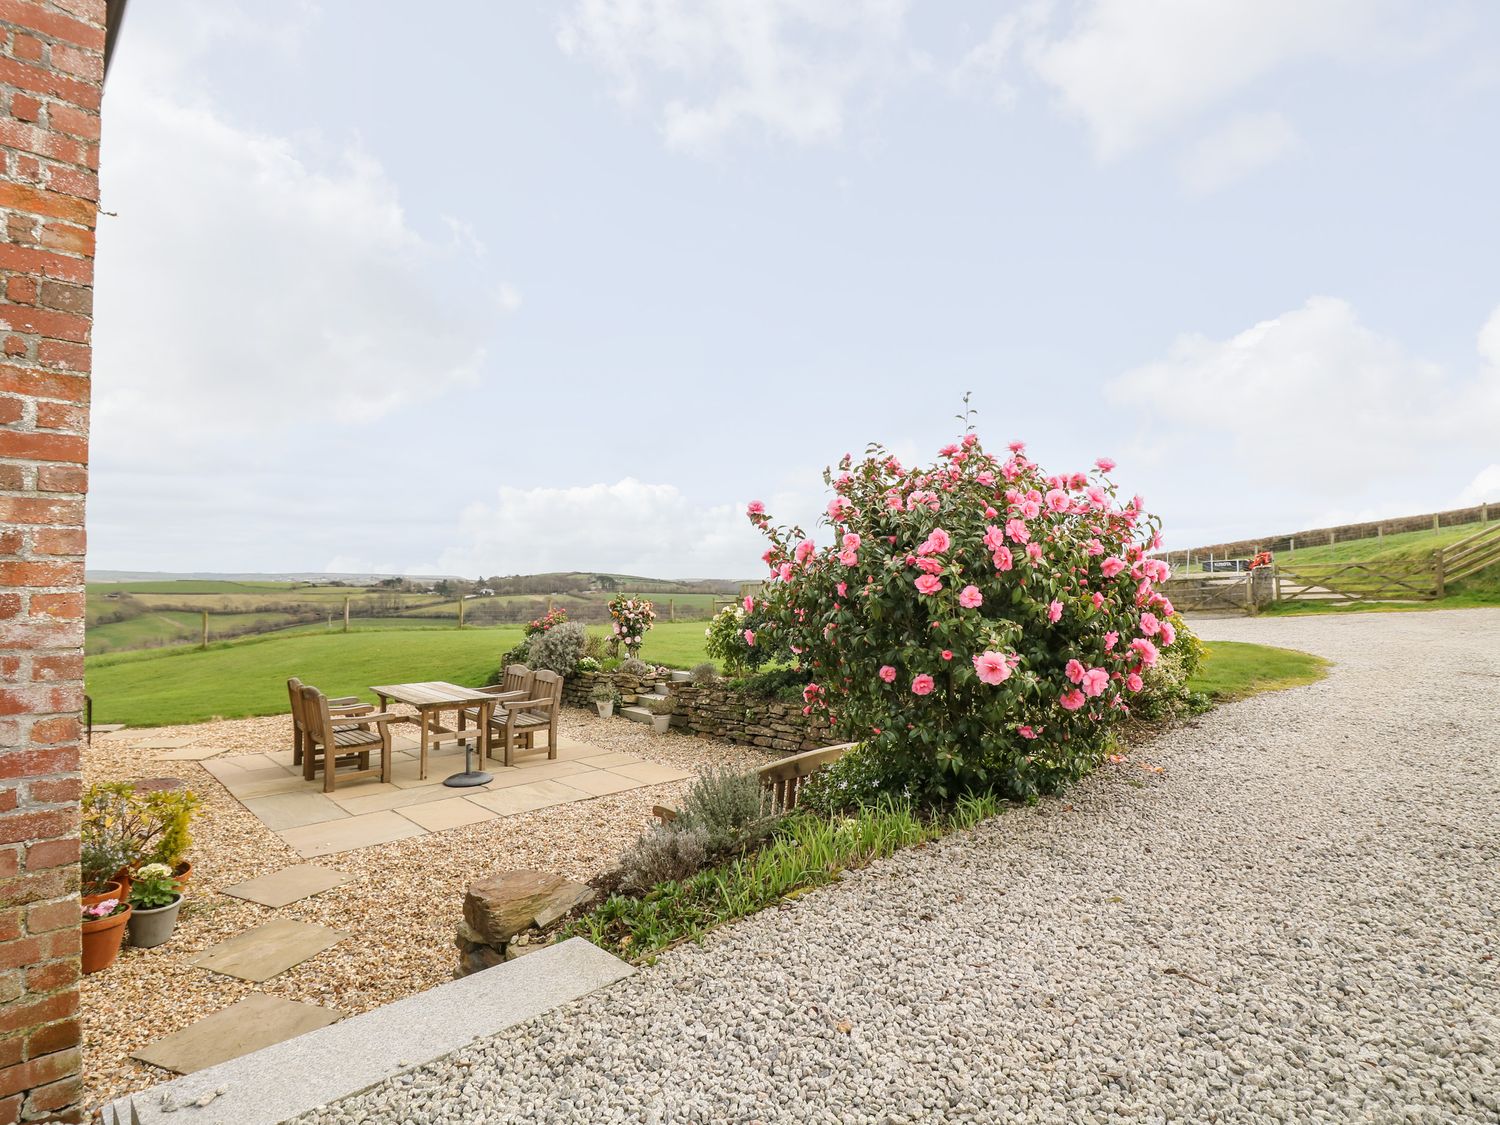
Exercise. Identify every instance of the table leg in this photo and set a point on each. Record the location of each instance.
(424, 714)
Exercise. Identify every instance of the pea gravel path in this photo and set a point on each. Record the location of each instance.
(1295, 921)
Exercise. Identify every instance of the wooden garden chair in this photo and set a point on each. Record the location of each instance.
(353, 745)
(515, 683)
(518, 722)
(344, 705)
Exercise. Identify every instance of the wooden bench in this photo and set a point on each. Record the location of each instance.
(780, 782)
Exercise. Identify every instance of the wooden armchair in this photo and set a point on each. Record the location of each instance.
(344, 705)
(515, 683)
(336, 743)
(517, 722)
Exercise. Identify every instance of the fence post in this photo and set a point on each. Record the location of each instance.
(671, 609)
(1437, 569)
(1484, 512)
(346, 615)
(204, 642)
(460, 611)
(1435, 524)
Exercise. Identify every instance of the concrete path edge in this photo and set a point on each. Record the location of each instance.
(289, 1078)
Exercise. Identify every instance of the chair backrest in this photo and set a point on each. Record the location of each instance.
(548, 685)
(294, 691)
(517, 678)
(316, 720)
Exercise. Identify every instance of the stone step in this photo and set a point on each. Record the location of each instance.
(661, 689)
(286, 1080)
(679, 677)
(636, 714)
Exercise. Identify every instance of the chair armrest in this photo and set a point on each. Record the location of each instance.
(384, 717)
(345, 701)
(529, 705)
(350, 708)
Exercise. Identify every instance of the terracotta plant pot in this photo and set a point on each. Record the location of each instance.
(101, 940)
(150, 928)
(113, 890)
(183, 872)
(125, 877)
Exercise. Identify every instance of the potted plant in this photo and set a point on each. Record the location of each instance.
(140, 826)
(173, 809)
(661, 708)
(605, 697)
(103, 928)
(155, 900)
(98, 861)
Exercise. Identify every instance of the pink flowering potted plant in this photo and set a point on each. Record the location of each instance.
(631, 619)
(103, 929)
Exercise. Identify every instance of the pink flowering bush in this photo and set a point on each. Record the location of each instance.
(977, 623)
(631, 619)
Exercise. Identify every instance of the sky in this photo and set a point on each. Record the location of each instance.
(517, 287)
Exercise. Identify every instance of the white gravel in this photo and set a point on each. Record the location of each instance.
(1296, 921)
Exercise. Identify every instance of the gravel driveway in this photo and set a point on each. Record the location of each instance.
(1296, 921)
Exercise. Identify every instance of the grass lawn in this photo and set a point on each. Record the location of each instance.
(1235, 670)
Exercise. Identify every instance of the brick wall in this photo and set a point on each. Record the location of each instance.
(51, 75)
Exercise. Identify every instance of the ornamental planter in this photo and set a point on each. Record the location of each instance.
(111, 890)
(183, 872)
(660, 723)
(150, 928)
(101, 940)
(605, 709)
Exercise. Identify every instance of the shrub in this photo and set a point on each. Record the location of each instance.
(783, 684)
(852, 782)
(588, 664)
(637, 668)
(977, 623)
(135, 828)
(659, 704)
(594, 648)
(558, 649)
(98, 860)
(705, 673)
(517, 655)
(604, 692)
(1166, 692)
(547, 622)
(737, 636)
(663, 854)
(725, 805)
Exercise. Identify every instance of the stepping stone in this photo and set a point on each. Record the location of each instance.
(290, 884)
(268, 950)
(280, 811)
(363, 831)
(248, 1025)
(600, 783)
(189, 754)
(168, 742)
(108, 728)
(636, 714)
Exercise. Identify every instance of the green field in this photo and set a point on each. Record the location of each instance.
(1235, 670)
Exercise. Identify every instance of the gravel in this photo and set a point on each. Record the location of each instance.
(1294, 920)
(401, 910)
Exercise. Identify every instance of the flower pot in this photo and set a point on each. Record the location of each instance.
(124, 877)
(101, 940)
(111, 890)
(605, 709)
(660, 723)
(150, 928)
(182, 873)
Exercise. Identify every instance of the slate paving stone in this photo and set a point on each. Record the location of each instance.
(268, 950)
(364, 831)
(280, 811)
(290, 884)
(247, 1025)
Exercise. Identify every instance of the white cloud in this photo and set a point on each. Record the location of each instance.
(1245, 144)
(1132, 69)
(790, 68)
(629, 527)
(265, 288)
(1311, 401)
(1483, 489)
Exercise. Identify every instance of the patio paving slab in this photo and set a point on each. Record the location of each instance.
(268, 783)
(281, 811)
(652, 773)
(268, 950)
(602, 782)
(290, 884)
(617, 758)
(439, 816)
(381, 797)
(526, 798)
(247, 1025)
(188, 754)
(364, 831)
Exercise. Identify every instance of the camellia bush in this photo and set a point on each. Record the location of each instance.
(978, 623)
(632, 619)
(731, 637)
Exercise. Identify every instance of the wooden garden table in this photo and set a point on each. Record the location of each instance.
(431, 699)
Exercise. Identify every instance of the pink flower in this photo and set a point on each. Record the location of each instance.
(1156, 570)
(1150, 625)
(804, 551)
(1097, 496)
(1030, 509)
(749, 603)
(1074, 671)
(1145, 650)
(991, 667)
(1134, 681)
(843, 590)
(947, 654)
(887, 673)
(1026, 732)
(1054, 611)
(1112, 566)
(1034, 551)
(1097, 598)
(1105, 465)
(750, 637)
(837, 507)
(922, 685)
(994, 538)
(849, 558)
(810, 692)
(784, 571)
(756, 508)
(1002, 558)
(927, 566)
(948, 451)
(1057, 500)
(1016, 446)
(1168, 634)
(1095, 680)
(970, 597)
(929, 584)
(1111, 639)
(1071, 700)
(851, 541)
(937, 543)
(1017, 530)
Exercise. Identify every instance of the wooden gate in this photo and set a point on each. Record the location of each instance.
(1358, 581)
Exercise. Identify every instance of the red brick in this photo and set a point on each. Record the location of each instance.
(49, 854)
(9, 798)
(27, 48)
(40, 510)
(38, 80)
(10, 666)
(10, 606)
(23, 136)
(12, 477)
(65, 355)
(12, 1050)
(69, 448)
(67, 666)
(64, 118)
(66, 298)
(16, 345)
(54, 205)
(56, 541)
(10, 861)
(48, 916)
(63, 607)
(32, 1013)
(28, 169)
(11, 410)
(62, 416)
(29, 572)
(42, 18)
(45, 322)
(54, 790)
(24, 107)
(71, 239)
(28, 259)
(10, 929)
(21, 290)
(55, 1036)
(10, 1110)
(39, 1071)
(56, 1096)
(51, 976)
(62, 478)
(28, 825)
(80, 64)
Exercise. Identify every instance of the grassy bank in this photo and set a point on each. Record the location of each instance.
(1235, 670)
